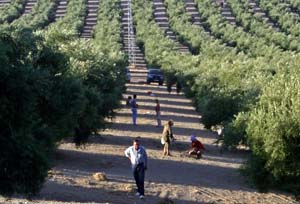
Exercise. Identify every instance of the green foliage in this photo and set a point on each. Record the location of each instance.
(28, 135)
(107, 31)
(235, 132)
(11, 11)
(53, 86)
(41, 15)
(273, 129)
(256, 173)
(252, 45)
(73, 21)
(24, 162)
(256, 25)
(99, 66)
(281, 13)
(196, 37)
(213, 77)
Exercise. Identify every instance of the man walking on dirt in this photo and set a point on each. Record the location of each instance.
(138, 157)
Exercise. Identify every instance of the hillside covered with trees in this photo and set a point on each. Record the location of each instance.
(239, 66)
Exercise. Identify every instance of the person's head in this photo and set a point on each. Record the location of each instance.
(129, 97)
(170, 122)
(156, 100)
(193, 138)
(136, 143)
(134, 96)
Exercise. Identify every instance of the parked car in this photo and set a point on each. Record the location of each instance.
(128, 75)
(155, 75)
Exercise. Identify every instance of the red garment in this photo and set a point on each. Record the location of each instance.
(157, 107)
(197, 144)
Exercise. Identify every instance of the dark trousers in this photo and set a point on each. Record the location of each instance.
(134, 115)
(139, 176)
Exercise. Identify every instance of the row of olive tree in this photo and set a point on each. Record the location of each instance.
(11, 11)
(256, 25)
(213, 79)
(282, 15)
(42, 13)
(39, 103)
(272, 129)
(269, 126)
(53, 86)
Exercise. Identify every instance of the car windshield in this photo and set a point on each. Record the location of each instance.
(155, 71)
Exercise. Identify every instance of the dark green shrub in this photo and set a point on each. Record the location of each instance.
(25, 152)
(235, 132)
(24, 163)
(39, 107)
(216, 108)
(52, 86)
(256, 173)
(273, 129)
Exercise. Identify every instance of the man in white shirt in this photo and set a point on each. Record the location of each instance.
(138, 157)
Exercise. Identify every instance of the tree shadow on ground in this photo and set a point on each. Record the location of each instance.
(174, 110)
(158, 170)
(211, 154)
(150, 143)
(159, 95)
(54, 191)
(164, 101)
(146, 128)
(152, 116)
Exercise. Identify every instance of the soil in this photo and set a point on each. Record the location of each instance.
(177, 179)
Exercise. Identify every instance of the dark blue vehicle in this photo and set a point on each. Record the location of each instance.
(155, 75)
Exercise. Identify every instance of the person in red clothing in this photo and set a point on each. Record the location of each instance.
(197, 147)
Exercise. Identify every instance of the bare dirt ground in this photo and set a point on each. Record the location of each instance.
(178, 179)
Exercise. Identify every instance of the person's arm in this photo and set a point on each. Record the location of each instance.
(171, 134)
(127, 153)
(191, 148)
(165, 134)
(202, 146)
(146, 159)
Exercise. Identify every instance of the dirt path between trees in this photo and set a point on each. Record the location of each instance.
(214, 179)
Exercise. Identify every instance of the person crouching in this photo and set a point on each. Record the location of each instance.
(197, 147)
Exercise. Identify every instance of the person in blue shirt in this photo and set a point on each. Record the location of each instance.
(138, 158)
(134, 107)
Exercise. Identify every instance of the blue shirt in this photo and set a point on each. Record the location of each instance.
(132, 103)
(137, 157)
